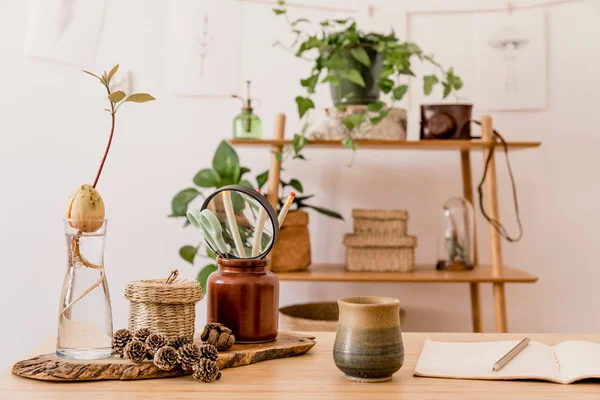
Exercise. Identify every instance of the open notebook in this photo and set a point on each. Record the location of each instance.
(566, 362)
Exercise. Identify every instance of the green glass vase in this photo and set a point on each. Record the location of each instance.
(247, 125)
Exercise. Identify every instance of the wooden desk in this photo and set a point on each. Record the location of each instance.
(312, 376)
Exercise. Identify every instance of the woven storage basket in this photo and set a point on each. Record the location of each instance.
(380, 253)
(164, 308)
(380, 222)
(312, 317)
(292, 250)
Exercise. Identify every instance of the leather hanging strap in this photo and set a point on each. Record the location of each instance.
(498, 226)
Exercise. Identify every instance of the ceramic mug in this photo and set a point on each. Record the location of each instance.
(368, 344)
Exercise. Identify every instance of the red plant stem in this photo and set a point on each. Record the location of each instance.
(112, 131)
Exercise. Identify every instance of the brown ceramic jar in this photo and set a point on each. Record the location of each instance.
(244, 296)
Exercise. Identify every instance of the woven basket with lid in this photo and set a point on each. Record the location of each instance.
(380, 222)
(167, 308)
(380, 253)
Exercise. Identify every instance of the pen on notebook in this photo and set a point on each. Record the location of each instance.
(510, 355)
(286, 208)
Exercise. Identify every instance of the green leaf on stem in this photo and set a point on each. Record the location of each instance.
(325, 211)
(311, 43)
(188, 253)
(117, 96)
(304, 104)
(300, 20)
(300, 142)
(453, 80)
(360, 55)
(348, 142)
(353, 121)
(261, 179)
(140, 98)
(210, 253)
(246, 183)
(278, 11)
(386, 71)
(310, 83)
(226, 162)
(92, 74)
(202, 276)
(447, 89)
(386, 85)
(295, 183)
(112, 72)
(400, 91)
(428, 82)
(413, 48)
(332, 78)
(277, 155)
(353, 76)
(379, 118)
(376, 106)
(243, 170)
(180, 202)
(207, 178)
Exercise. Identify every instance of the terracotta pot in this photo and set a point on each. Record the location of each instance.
(244, 296)
(292, 250)
(368, 345)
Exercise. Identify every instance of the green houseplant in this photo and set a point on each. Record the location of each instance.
(358, 66)
(226, 170)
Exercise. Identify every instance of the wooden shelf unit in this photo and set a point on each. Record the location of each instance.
(453, 145)
(495, 274)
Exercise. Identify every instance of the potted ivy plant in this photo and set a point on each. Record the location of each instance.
(227, 170)
(358, 66)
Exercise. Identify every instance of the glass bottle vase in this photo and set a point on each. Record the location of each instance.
(85, 314)
(456, 240)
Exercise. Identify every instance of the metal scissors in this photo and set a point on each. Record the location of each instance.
(207, 223)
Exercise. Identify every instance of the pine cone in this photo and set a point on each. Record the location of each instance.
(142, 334)
(154, 342)
(136, 351)
(188, 355)
(179, 341)
(218, 335)
(165, 358)
(209, 351)
(121, 338)
(206, 370)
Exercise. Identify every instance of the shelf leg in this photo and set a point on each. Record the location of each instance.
(475, 307)
(275, 170)
(467, 182)
(491, 198)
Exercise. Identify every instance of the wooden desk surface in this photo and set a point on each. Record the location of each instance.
(312, 376)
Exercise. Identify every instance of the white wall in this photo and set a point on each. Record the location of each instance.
(53, 131)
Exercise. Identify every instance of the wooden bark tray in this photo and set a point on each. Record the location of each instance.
(49, 367)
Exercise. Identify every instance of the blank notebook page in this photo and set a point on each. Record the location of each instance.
(578, 359)
(476, 360)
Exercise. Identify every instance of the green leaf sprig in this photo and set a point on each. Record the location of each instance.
(116, 99)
